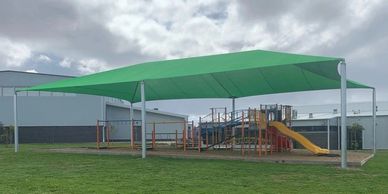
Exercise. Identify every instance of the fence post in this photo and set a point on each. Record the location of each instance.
(192, 134)
(107, 134)
(153, 136)
(184, 139)
(98, 135)
(132, 134)
(199, 139)
(242, 134)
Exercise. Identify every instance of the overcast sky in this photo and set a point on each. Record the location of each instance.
(82, 37)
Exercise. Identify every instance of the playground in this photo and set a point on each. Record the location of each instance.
(297, 156)
(261, 134)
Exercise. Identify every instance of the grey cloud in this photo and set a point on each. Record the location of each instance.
(36, 19)
(63, 26)
(66, 29)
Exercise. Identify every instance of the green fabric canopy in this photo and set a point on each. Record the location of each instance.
(230, 75)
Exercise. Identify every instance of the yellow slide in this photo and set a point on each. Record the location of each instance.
(299, 138)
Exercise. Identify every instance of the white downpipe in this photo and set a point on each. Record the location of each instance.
(374, 119)
(16, 127)
(143, 121)
(233, 118)
(338, 134)
(131, 124)
(103, 117)
(328, 134)
(343, 116)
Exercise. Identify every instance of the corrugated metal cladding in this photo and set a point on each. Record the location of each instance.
(165, 125)
(317, 130)
(50, 117)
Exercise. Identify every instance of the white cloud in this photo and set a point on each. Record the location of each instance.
(91, 36)
(87, 66)
(66, 62)
(44, 59)
(13, 54)
(31, 71)
(177, 30)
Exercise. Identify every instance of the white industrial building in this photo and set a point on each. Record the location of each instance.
(46, 117)
(320, 123)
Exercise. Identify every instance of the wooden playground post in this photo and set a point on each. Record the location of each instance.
(192, 135)
(266, 141)
(176, 138)
(225, 128)
(107, 134)
(132, 134)
(260, 137)
(226, 145)
(153, 136)
(249, 131)
(218, 130)
(98, 134)
(199, 139)
(184, 139)
(207, 139)
(255, 123)
(213, 138)
(271, 137)
(242, 134)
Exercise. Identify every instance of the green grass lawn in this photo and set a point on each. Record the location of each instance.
(32, 171)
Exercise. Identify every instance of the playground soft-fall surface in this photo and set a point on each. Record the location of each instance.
(34, 170)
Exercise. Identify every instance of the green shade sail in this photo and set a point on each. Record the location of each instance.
(229, 75)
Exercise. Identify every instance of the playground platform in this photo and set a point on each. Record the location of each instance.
(296, 156)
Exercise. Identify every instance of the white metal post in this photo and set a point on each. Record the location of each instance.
(143, 121)
(233, 108)
(338, 134)
(233, 120)
(328, 134)
(103, 106)
(374, 119)
(343, 116)
(131, 125)
(16, 127)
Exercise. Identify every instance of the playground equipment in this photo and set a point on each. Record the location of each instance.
(265, 130)
(260, 131)
(246, 130)
(299, 138)
(127, 133)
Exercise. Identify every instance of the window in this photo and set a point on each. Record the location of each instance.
(22, 93)
(8, 91)
(58, 94)
(45, 94)
(69, 94)
(32, 93)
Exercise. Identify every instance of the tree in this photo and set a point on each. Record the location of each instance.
(355, 136)
(7, 135)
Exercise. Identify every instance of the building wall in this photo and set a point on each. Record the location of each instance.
(23, 79)
(45, 108)
(381, 131)
(320, 138)
(54, 117)
(121, 129)
(79, 110)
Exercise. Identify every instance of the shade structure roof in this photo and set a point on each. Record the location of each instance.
(230, 75)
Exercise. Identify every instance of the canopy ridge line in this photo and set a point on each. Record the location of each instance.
(265, 79)
(222, 86)
(305, 78)
(134, 93)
